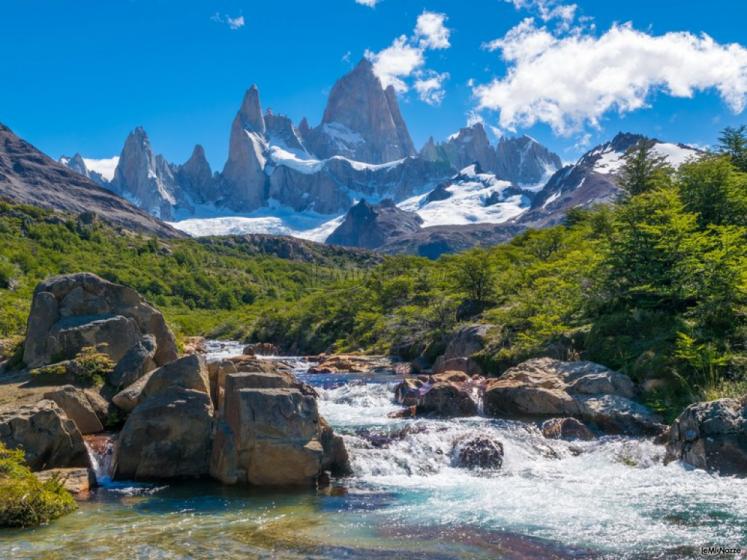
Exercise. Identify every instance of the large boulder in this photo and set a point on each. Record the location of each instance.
(711, 436)
(268, 437)
(269, 433)
(136, 362)
(544, 387)
(189, 372)
(48, 438)
(74, 311)
(447, 400)
(84, 407)
(166, 436)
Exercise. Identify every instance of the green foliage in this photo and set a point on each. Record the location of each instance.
(644, 170)
(24, 500)
(92, 366)
(199, 284)
(733, 143)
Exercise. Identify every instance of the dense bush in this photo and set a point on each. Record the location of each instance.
(24, 500)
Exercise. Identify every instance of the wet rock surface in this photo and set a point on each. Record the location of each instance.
(711, 436)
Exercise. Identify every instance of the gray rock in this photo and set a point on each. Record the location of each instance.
(524, 161)
(469, 145)
(27, 176)
(73, 311)
(145, 177)
(77, 406)
(196, 178)
(587, 391)
(129, 397)
(362, 121)
(189, 372)
(711, 436)
(370, 226)
(268, 437)
(446, 400)
(243, 174)
(138, 361)
(47, 436)
(166, 436)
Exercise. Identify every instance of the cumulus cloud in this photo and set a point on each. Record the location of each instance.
(432, 31)
(233, 23)
(397, 61)
(430, 86)
(573, 80)
(369, 3)
(404, 60)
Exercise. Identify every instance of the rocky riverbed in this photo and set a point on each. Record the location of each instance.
(231, 451)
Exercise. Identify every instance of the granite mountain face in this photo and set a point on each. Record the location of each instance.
(359, 179)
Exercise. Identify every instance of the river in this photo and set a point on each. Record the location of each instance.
(609, 498)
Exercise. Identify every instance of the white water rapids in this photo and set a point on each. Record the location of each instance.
(611, 497)
(612, 494)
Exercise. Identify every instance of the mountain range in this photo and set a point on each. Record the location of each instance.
(356, 179)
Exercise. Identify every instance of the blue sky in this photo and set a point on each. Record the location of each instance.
(78, 76)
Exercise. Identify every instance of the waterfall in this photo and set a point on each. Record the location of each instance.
(100, 452)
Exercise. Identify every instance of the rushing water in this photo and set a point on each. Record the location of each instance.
(408, 499)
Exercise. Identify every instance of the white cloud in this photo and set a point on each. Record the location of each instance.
(405, 59)
(548, 9)
(369, 3)
(573, 80)
(395, 62)
(429, 86)
(432, 31)
(233, 23)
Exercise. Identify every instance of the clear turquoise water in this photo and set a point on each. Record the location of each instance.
(611, 498)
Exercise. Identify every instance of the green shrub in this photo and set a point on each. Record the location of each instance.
(24, 500)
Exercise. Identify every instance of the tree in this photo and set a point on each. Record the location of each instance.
(733, 143)
(715, 190)
(651, 241)
(644, 170)
(475, 276)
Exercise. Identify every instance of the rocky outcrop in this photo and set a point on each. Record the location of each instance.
(196, 178)
(592, 180)
(143, 177)
(78, 164)
(269, 433)
(370, 226)
(268, 437)
(75, 311)
(48, 438)
(544, 387)
(524, 161)
(86, 408)
(168, 433)
(711, 436)
(362, 121)
(27, 176)
(281, 132)
(243, 175)
(469, 145)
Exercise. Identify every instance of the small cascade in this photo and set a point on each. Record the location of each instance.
(101, 451)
